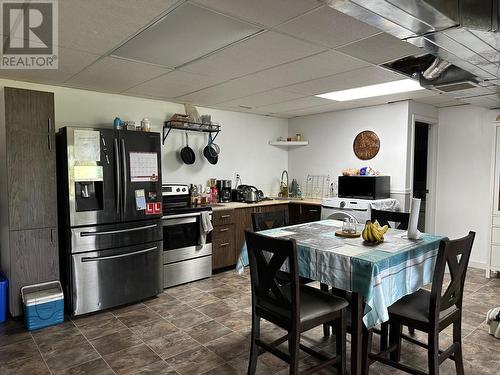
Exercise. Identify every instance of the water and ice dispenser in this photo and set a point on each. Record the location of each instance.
(89, 188)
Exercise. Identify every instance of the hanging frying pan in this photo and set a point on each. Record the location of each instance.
(187, 153)
(209, 153)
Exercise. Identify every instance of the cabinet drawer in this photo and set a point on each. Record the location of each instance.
(223, 217)
(495, 236)
(223, 253)
(223, 233)
(495, 256)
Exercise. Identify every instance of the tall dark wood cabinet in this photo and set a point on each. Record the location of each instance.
(28, 196)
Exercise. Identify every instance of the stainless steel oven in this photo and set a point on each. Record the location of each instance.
(187, 250)
(185, 258)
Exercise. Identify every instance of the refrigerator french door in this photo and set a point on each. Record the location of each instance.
(110, 215)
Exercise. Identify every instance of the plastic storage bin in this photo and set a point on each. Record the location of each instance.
(43, 305)
(4, 285)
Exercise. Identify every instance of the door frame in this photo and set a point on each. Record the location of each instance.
(430, 208)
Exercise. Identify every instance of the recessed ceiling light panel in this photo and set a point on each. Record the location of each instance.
(387, 88)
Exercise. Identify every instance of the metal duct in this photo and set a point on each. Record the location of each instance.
(437, 67)
(464, 33)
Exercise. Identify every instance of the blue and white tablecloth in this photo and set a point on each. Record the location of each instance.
(381, 274)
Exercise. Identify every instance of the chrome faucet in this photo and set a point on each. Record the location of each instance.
(284, 186)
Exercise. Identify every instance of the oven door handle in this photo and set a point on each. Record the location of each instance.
(87, 234)
(97, 259)
(192, 214)
(179, 221)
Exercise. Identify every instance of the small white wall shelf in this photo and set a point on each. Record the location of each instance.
(288, 143)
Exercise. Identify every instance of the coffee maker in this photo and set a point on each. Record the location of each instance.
(224, 190)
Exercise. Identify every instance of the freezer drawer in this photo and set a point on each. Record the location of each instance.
(112, 236)
(186, 271)
(105, 279)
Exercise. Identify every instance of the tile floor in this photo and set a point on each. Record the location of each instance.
(203, 328)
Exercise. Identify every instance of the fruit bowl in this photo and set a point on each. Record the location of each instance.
(373, 233)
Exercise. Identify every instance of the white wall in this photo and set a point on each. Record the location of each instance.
(243, 140)
(463, 201)
(331, 135)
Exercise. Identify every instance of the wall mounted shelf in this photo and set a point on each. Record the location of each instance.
(288, 143)
(190, 126)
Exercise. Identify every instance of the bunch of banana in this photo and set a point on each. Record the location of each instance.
(373, 232)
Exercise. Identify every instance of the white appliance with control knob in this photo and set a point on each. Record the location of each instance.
(358, 209)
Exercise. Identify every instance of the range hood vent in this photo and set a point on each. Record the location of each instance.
(461, 32)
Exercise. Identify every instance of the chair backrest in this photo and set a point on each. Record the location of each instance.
(266, 256)
(455, 254)
(269, 220)
(383, 217)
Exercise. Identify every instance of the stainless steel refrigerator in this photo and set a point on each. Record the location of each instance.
(109, 203)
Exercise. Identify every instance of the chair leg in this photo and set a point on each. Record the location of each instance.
(457, 338)
(340, 342)
(411, 330)
(433, 353)
(367, 346)
(395, 339)
(384, 335)
(254, 349)
(326, 327)
(294, 346)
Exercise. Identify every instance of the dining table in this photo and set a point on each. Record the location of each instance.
(377, 275)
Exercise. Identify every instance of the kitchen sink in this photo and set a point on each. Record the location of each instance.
(287, 199)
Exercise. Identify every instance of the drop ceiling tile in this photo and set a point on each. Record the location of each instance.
(223, 92)
(356, 78)
(70, 62)
(328, 27)
(114, 75)
(173, 84)
(98, 26)
(436, 99)
(264, 98)
(257, 53)
(309, 101)
(186, 33)
(450, 104)
(320, 65)
(380, 49)
(263, 12)
(315, 110)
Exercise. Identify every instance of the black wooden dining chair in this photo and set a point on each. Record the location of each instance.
(431, 312)
(294, 307)
(384, 217)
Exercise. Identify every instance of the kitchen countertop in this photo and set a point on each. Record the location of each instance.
(232, 205)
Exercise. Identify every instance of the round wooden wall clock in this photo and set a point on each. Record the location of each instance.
(366, 145)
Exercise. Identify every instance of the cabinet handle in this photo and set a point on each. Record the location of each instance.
(224, 216)
(49, 124)
(312, 210)
(224, 244)
(50, 142)
(51, 236)
(224, 230)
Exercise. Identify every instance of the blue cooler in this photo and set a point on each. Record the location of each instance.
(4, 285)
(43, 305)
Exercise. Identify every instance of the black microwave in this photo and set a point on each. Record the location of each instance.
(364, 187)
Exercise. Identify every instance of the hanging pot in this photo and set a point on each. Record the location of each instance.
(209, 152)
(187, 153)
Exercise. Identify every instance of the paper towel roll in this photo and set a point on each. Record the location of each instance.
(413, 232)
(368, 212)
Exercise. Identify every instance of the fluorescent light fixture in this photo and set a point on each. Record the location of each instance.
(387, 88)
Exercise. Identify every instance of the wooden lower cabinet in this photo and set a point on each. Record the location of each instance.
(223, 239)
(229, 228)
(34, 259)
(301, 213)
